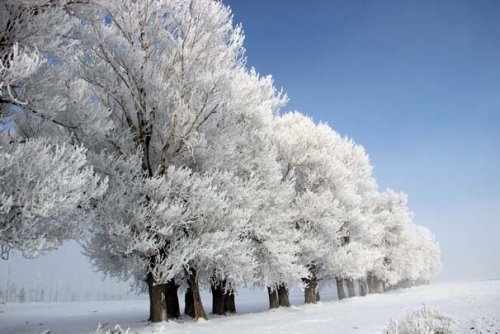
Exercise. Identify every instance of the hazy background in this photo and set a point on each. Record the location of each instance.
(416, 82)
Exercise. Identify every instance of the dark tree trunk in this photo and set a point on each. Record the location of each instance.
(217, 298)
(310, 290)
(173, 309)
(189, 303)
(229, 303)
(318, 297)
(273, 298)
(157, 302)
(350, 287)
(340, 288)
(362, 287)
(194, 306)
(283, 295)
(150, 291)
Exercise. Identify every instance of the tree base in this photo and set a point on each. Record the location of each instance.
(273, 298)
(283, 298)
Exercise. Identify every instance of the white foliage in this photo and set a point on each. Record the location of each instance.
(173, 75)
(353, 261)
(423, 320)
(409, 252)
(45, 192)
(116, 330)
(16, 65)
(332, 176)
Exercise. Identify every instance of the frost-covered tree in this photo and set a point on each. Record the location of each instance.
(417, 257)
(245, 149)
(305, 157)
(179, 219)
(168, 79)
(357, 196)
(389, 217)
(408, 252)
(430, 255)
(331, 175)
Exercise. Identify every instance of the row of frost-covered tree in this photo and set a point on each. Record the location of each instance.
(136, 128)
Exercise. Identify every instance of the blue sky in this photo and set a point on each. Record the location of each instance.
(416, 82)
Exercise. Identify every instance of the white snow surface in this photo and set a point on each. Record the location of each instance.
(475, 306)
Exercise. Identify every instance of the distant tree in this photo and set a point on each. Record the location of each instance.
(22, 295)
(11, 295)
(41, 296)
(332, 178)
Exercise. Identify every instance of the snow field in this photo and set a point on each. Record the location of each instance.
(475, 306)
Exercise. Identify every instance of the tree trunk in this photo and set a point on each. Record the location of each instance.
(173, 309)
(421, 281)
(273, 298)
(340, 288)
(157, 301)
(283, 295)
(349, 282)
(362, 287)
(229, 304)
(194, 306)
(369, 282)
(150, 291)
(318, 297)
(310, 290)
(189, 303)
(217, 298)
(373, 284)
(382, 285)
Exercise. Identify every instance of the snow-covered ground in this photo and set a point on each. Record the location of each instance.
(474, 305)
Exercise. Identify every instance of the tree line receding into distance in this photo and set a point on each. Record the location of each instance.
(136, 128)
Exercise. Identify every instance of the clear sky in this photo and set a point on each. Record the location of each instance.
(416, 82)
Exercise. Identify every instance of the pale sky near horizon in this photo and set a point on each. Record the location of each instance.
(415, 82)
